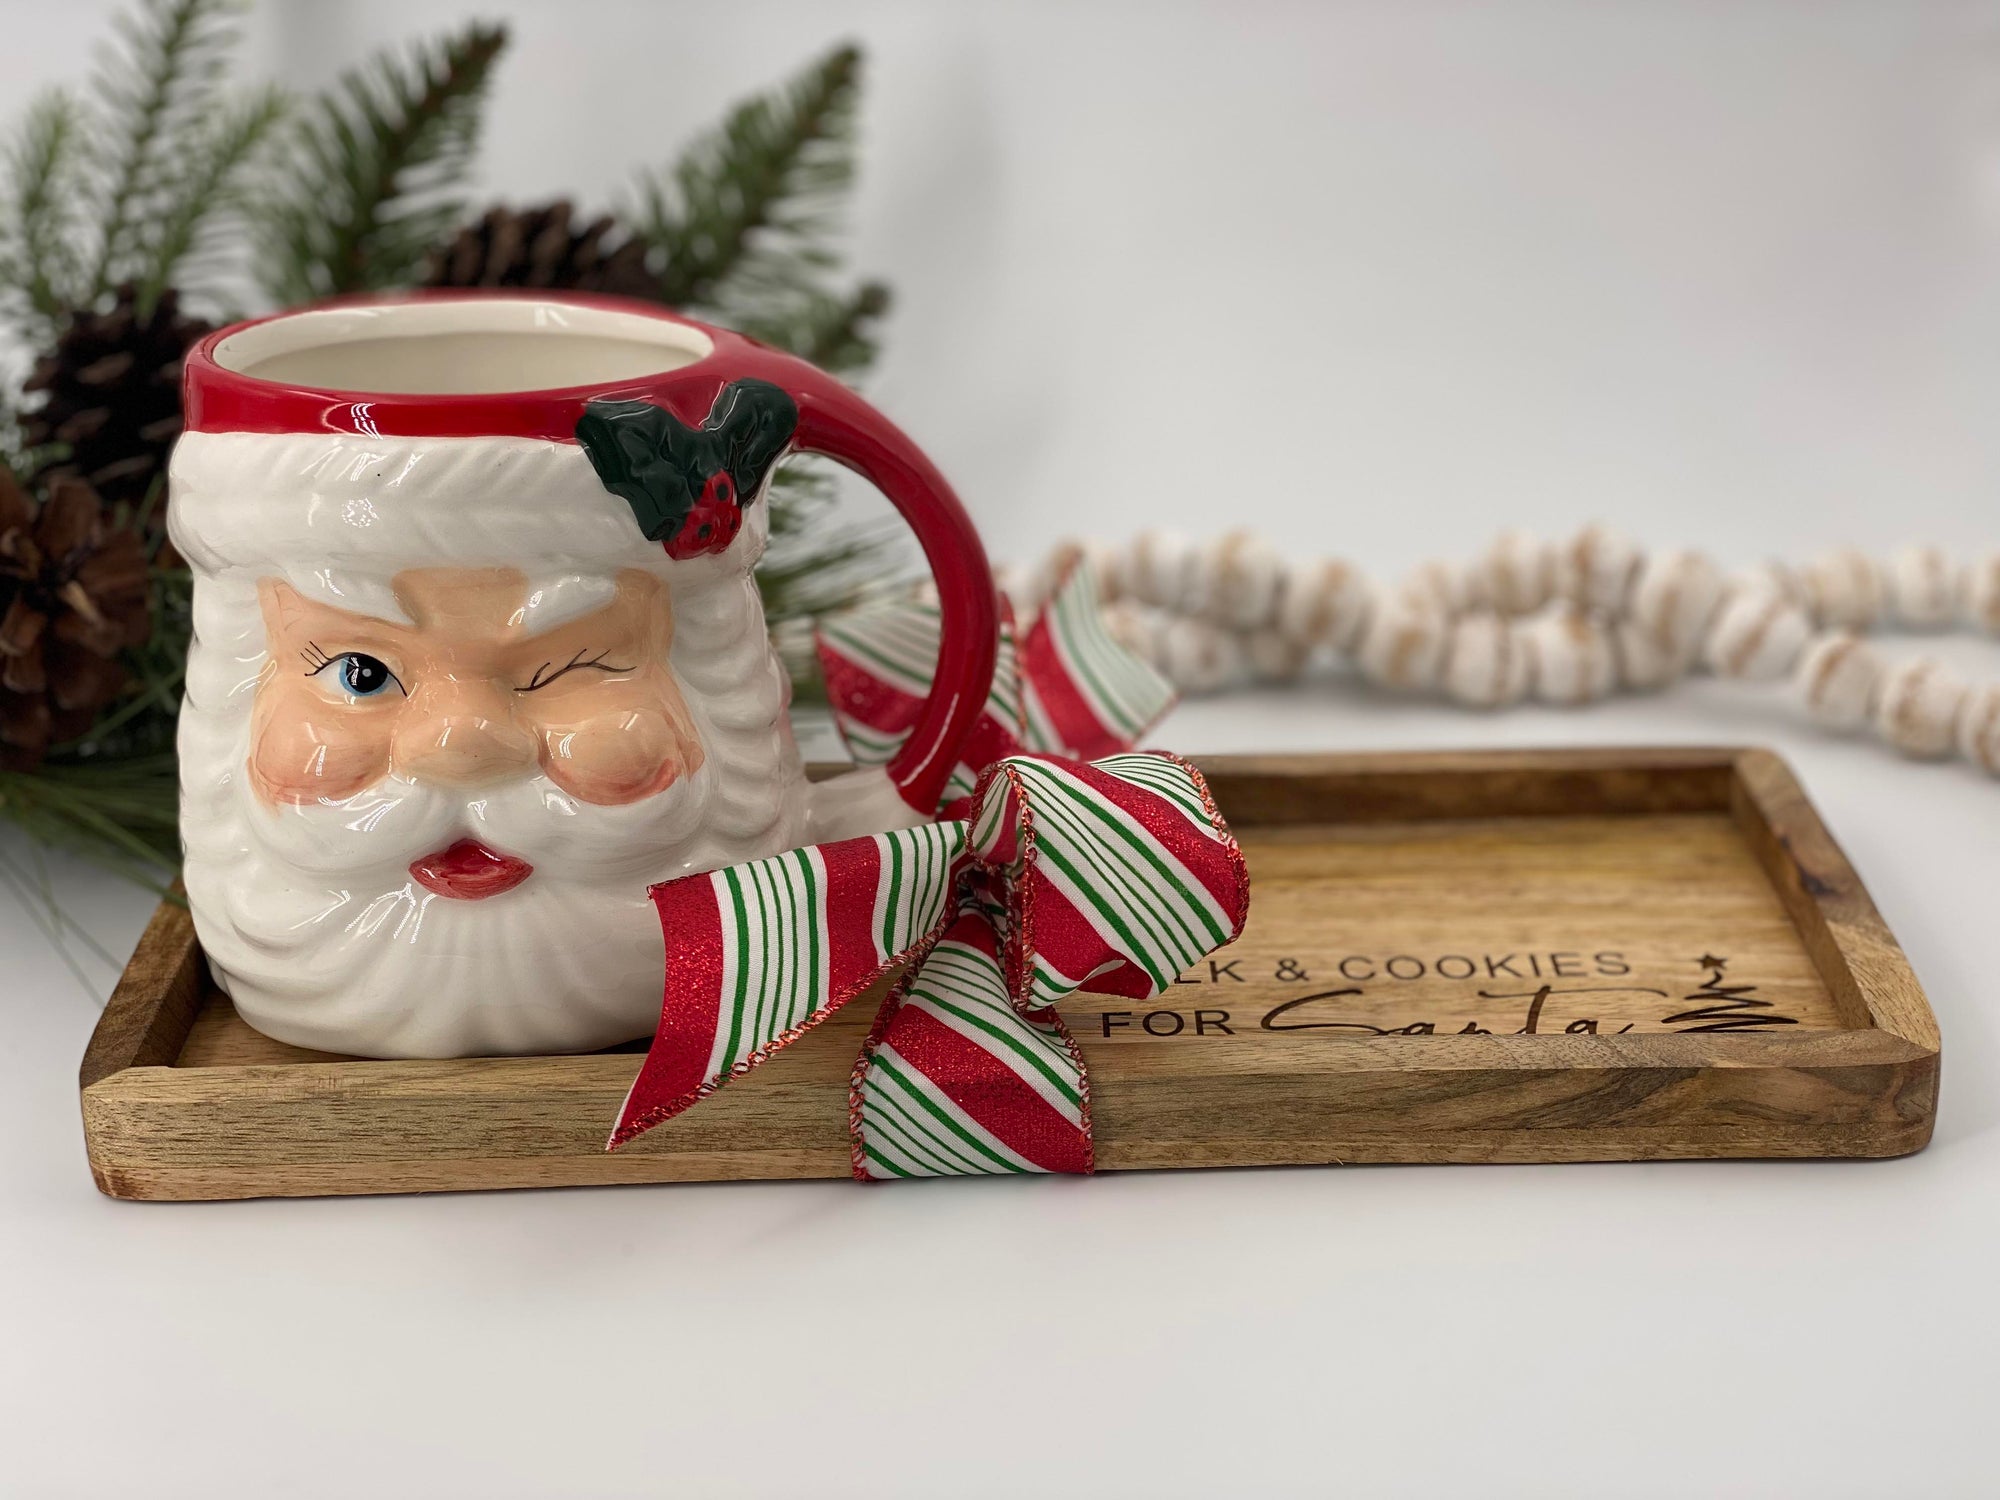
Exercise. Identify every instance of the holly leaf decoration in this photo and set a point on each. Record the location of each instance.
(665, 469)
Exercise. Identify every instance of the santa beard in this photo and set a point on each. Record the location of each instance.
(325, 940)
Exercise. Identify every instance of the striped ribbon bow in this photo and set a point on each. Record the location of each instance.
(1118, 873)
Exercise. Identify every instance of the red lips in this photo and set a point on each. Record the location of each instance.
(469, 871)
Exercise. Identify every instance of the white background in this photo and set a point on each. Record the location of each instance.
(1379, 279)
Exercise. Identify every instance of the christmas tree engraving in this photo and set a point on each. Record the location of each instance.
(1725, 1007)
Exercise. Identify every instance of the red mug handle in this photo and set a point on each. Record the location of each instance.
(839, 425)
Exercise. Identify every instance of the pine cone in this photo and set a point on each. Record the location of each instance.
(537, 247)
(72, 596)
(113, 384)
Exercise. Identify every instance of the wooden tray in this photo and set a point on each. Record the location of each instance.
(1520, 957)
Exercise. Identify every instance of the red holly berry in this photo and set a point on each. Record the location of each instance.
(713, 522)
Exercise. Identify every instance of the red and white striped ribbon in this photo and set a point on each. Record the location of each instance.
(1119, 874)
(1060, 871)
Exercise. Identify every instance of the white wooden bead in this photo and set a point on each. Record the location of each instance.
(1489, 661)
(1273, 657)
(1979, 728)
(1198, 657)
(1675, 598)
(1644, 665)
(1047, 573)
(1770, 577)
(1324, 603)
(1919, 706)
(1439, 587)
(1844, 590)
(1838, 679)
(1517, 574)
(1923, 587)
(1574, 658)
(1155, 569)
(1403, 648)
(1596, 569)
(1139, 628)
(1758, 637)
(1235, 581)
(1979, 594)
(1101, 559)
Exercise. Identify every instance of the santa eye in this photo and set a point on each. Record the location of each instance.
(582, 661)
(358, 673)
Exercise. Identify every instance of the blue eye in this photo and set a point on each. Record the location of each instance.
(362, 675)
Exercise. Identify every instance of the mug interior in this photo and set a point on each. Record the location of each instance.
(460, 346)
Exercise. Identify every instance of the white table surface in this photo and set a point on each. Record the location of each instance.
(1724, 276)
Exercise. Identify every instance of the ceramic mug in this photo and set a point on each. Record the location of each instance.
(478, 656)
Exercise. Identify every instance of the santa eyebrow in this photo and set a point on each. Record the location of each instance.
(543, 676)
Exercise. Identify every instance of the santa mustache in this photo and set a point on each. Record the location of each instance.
(381, 831)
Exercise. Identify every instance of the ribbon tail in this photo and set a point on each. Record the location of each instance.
(1084, 695)
(758, 954)
(957, 1081)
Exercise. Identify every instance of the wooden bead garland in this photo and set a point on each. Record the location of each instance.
(1838, 680)
(1644, 665)
(1844, 588)
(1324, 604)
(1201, 655)
(1489, 663)
(1676, 595)
(1979, 728)
(1918, 711)
(1403, 647)
(1516, 576)
(1274, 656)
(1597, 570)
(1757, 636)
(1235, 582)
(1155, 570)
(1979, 603)
(1574, 656)
(1439, 588)
(1566, 624)
(1922, 583)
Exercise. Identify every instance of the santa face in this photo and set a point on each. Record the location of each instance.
(422, 810)
(477, 688)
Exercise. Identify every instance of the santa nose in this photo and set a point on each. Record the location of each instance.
(461, 733)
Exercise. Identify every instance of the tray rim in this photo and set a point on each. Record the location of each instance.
(130, 1060)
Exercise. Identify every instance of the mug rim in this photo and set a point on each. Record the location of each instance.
(217, 398)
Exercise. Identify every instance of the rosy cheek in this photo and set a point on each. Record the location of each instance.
(305, 749)
(619, 756)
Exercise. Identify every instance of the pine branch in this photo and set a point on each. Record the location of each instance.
(745, 208)
(209, 192)
(160, 82)
(834, 331)
(812, 567)
(376, 165)
(38, 264)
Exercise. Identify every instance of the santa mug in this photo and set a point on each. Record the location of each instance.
(478, 657)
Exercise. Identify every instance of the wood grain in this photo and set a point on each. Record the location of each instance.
(1612, 873)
